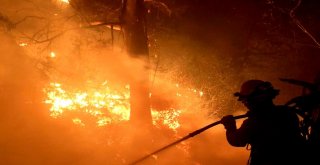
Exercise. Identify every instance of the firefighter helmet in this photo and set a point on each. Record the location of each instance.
(252, 88)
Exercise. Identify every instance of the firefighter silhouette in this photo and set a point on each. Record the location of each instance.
(271, 131)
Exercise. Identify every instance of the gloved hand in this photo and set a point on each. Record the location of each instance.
(229, 122)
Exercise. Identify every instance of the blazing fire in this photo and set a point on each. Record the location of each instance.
(102, 105)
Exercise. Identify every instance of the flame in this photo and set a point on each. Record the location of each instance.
(65, 1)
(97, 103)
(102, 104)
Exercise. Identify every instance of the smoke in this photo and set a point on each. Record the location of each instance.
(31, 136)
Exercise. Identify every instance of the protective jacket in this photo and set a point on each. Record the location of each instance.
(272, 134)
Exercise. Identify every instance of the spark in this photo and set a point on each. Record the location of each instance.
(52, 54)
(77, 121)
(23, 44)
(168, 118)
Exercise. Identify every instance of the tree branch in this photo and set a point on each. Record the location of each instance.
(48, 39)
(27, 17)
(299, 24)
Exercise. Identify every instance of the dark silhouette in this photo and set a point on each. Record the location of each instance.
(308, 107)
(271, 131)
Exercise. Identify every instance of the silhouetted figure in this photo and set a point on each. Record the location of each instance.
(308, 107)
(270, 131)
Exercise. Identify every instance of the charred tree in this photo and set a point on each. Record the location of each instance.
(134, 24)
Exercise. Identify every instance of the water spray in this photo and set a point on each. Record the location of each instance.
(194, 133)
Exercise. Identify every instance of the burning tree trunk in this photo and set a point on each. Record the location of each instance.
(132, 19)
(134, 24)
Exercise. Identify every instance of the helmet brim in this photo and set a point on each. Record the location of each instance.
(240, 96)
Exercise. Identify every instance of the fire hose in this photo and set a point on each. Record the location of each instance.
(194, 133)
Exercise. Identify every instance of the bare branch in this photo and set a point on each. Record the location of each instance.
(160, 5)
(27, 17)
(48, 39)
(299, 24)
(41, 32)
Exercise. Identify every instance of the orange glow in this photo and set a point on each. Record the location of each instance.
(23, 44)
(77, 121)
(52, 54)
(114, 27)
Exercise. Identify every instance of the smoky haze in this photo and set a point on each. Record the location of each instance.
(30, 136)
(205, 50)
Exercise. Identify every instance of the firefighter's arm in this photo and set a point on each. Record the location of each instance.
(236, 137)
